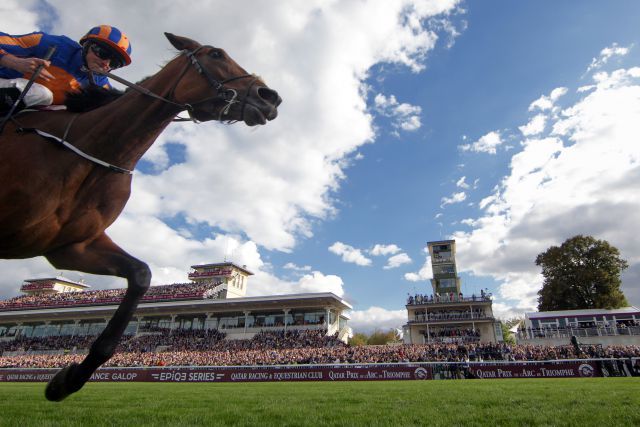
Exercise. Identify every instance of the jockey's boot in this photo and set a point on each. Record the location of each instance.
(8, 96)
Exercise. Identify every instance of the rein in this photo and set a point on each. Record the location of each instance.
(228, 95)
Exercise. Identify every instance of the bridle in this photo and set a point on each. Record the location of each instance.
(228, 95)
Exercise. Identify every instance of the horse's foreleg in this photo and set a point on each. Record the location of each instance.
(101, 256)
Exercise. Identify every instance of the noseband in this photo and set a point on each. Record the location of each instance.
(226, 94)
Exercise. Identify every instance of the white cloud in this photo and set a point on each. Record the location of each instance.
(265, 187)
(425, 272)
(264, 283)
(318, 282)
(455, 198)
(535, 126)
(397, 260)
(294, 267)
(606, 54)
(469, 221)
(18, 17)
(384, 250)
(406, 116)
(545, 103)
(486, 144)
(349, 254)
(462, 184)
(581, 178)
(377, 318)
(617, 78)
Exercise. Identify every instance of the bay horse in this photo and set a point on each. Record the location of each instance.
(56, 204)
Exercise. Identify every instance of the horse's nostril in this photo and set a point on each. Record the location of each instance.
(269, 95)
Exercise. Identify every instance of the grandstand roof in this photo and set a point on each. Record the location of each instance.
(58, 279)
(223, 264)
(435, 242)
(291, 301)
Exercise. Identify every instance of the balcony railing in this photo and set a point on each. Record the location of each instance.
(425, 300)
(550, 333)
(453, 319)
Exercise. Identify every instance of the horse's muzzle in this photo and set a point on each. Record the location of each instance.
(262, 106)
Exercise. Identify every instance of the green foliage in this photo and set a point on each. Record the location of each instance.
(379, 337)
(513, 402)
(358, 339)
(582, 273)
(507, 335)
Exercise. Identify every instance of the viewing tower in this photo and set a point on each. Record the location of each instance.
(443, 264)
(446, 315)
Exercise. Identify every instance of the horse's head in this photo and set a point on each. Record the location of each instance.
(217, 88)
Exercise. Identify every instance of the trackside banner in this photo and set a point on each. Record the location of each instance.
(238, 373)
(349, 372)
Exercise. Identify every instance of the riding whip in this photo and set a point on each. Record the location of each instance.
(33, 78)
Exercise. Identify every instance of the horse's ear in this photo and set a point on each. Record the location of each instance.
(182, 43)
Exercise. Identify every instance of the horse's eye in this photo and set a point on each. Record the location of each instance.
(215, 53)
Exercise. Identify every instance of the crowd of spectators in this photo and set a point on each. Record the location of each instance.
(418, 299)
(433, 316)
(210, 348)
(454, 335)
(176, 291)
(173, 340)
(165, 340)
(51, 343)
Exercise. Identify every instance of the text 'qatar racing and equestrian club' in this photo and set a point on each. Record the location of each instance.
(180, 330)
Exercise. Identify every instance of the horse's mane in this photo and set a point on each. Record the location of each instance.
(90, 98)
(93, 97)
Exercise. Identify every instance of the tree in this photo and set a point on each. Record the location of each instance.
(358, 339)
(506, 325)
(379, 337)
(582, 273)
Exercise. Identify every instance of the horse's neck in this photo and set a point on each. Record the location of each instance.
(122, 131)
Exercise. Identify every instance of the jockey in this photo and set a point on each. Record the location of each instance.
(70, 69)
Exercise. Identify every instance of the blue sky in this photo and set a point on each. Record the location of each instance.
(509, 126)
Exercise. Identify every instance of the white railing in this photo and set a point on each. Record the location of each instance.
(529, 334)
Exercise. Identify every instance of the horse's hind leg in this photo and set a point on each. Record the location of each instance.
(101, 256)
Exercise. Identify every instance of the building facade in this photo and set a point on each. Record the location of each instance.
(446, 315)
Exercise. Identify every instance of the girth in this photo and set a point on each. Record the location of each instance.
(64, 143)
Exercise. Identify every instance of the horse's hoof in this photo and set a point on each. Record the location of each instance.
(61, 384)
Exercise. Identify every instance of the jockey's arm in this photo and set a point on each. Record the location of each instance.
(25, 65)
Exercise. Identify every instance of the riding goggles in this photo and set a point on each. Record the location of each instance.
(103, 53)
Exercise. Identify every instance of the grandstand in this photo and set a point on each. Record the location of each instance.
(211, 305)
(620, 326)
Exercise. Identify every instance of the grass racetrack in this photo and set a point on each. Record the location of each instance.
(515, 402)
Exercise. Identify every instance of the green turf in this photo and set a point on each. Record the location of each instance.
(517, 402)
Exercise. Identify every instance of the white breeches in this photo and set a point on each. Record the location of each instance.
(37, 95)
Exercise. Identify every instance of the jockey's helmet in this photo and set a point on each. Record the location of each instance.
(112, 39)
